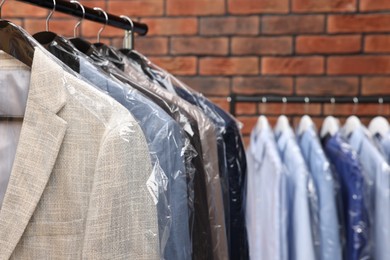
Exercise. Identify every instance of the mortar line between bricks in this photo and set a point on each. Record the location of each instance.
(165, 8)
(363, 44)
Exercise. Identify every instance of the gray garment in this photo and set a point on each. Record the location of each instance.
(165, 139)
(14, 82)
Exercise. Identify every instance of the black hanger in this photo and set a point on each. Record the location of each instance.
(46, 37)
(14, 41)
(81, 44)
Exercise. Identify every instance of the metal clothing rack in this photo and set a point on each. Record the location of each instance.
(90, 14)
(234, 99)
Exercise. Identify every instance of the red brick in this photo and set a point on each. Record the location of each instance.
(136, 8)
(246, 25)
(248, 123)
(90, 29)
(246, 109)
(229, 66)
(147, 45)
(324, 5)
(293, 24)
(61, 27)
(263, 85)
(377, 43)
(171, 26)
(374, 5)
(293, 65)
(262, 45)
(221, 102)
(199, 45)
(376, 86)
(12, 9)
(209, 86)
(359, 23)
(358, 65)
(246, 141)
(195, 7)
(328, 44)
(291, 109)
(327, 86)
(257, 6)
(358, 109)
(85, 3)
(177, 65)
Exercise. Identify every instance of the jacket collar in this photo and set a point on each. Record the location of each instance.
(40, 141)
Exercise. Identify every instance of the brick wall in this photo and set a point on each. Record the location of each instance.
(303, 47)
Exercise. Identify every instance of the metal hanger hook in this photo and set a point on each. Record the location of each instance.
(380, 109)
(263, 108)
(355, 105)
(284, 100)
(79, 22)
(50, 15)
(332, 102)
(1, 6)
(128, 40)
(104, 26)
(307, 102)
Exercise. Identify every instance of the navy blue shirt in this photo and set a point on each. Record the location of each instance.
(355, 218)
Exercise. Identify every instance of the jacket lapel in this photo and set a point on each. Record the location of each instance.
(39, 144)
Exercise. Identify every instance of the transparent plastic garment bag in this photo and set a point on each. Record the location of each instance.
(231, 153)
(78, 186)
(171, 183)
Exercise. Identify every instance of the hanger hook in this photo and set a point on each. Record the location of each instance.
(104, 26)
(50, 15)
(380, 110)
(284, 100)
(128, 40)
(79, 22)
(1, 6)
(355, 106)
(333, 102)
(307, 102)
(263, 109)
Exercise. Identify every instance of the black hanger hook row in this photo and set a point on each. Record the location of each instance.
(89, 14)
(235, 98)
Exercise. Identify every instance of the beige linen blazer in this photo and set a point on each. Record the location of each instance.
(78, 187)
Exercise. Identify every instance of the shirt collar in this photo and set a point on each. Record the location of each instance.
(284, 137)
(356, 138)
(258, 140)
(306, 139)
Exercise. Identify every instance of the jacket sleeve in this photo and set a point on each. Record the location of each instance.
(122, 217)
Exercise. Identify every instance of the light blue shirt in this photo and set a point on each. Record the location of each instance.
(300, 240)
(383, 143)
(329, 246)
(265, 206)
(377, 172)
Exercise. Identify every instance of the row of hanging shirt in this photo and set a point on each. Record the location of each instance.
(319, 197)
(140, 166)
